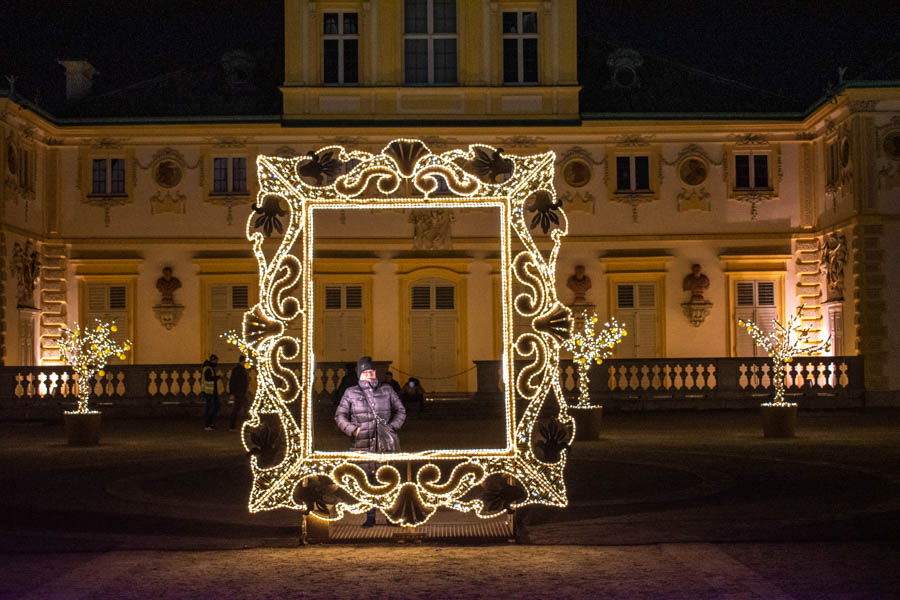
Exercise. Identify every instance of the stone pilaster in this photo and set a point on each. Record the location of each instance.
(869, 303)
(53, 300)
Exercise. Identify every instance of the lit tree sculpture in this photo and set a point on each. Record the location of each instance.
(590, 346)
(86, 351)
(783, 344)
(232, 337)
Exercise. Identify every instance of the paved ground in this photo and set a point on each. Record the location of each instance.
(678, 505)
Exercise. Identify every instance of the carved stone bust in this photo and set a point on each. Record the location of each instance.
(579, 283)
(167, 284)
(696, 283)
(26, 267)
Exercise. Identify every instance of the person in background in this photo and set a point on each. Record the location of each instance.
(238, 383)
(347, 381)
(414, 393)
(389, 380)
(360, 409)
(209, 390)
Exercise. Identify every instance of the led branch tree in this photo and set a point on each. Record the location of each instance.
(589, 346)
(783, 343)
(232, 337)
(87, 352)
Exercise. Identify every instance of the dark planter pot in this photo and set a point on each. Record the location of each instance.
(779, 420)
(82, 429)
(587, 423)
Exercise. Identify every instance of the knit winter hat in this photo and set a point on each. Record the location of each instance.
(364, 364)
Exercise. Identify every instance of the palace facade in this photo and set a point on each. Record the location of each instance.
(659, 168)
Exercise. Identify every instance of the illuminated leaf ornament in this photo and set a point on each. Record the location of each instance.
(545, 208)
(783, 344)
(405, 174)
(269, 213)
(246, 348)
(87, 352)
(589, 347)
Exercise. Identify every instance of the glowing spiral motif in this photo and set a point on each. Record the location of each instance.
(404, 174)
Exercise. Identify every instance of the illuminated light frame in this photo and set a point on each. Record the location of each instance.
(376, 181)
(783, 344)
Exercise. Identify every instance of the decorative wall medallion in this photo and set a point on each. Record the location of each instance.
(165, 202)
(693, 199)
(167, 173)
(286, 152)
(623, 68)
(577, 173)
(693, 171)
(844, 152)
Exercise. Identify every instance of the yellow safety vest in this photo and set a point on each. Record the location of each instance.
(206, 386)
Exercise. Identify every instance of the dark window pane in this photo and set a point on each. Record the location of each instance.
(510, 22)
(421, 297)
(623, 173)
(330, 23)
(529, 22)
(761, 171)
(530, 52)
(416, 16)
(416, 64)
(444, 16)
(117, 176)
(351, 59)
(239, 174)
(445, 61)
(511, 60)
(98, 176)
(742, 171)
(641, 172)
(220, 175)
(330, 67)
(350, 23)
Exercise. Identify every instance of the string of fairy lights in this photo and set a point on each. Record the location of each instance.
(404, 174)
(783, 343)
(589, 347)
(87, 351)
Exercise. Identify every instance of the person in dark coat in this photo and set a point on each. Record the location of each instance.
(238, 383)
(355, 414)
(209, 391)
(414, 393)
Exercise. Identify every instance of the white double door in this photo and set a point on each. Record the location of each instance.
(433, 343)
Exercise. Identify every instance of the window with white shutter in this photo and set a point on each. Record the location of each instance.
(344, 323)
(433, 336)
(754, 301)
(836, 326)
(636, 310)
(227, 304)
(109, 303)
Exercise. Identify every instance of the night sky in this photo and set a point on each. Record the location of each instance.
(788, 48)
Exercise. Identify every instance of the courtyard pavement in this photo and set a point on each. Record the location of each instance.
(663, 505)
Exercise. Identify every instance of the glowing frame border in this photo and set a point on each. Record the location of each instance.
(407, 163)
